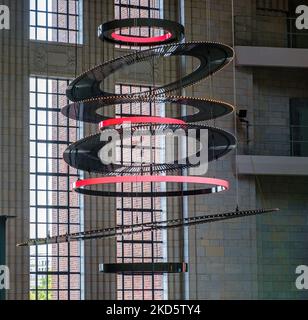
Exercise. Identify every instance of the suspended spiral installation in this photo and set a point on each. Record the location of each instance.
(88, 98)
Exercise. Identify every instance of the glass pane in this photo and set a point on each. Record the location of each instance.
(32, 4)
(41, 19)
(41, 34)
(42, 5)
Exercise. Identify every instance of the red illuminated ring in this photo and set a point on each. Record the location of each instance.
(150, 120)
(173, 31)
(141, 40)
(216, 185)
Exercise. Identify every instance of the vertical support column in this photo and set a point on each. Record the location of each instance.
(185, 249)
(14, 142)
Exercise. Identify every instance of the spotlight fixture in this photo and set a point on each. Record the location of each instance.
(242, 114)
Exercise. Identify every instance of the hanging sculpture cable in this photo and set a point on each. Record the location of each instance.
(235, 106)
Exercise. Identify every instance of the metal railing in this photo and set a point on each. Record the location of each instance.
(273, 140)
(269, 31)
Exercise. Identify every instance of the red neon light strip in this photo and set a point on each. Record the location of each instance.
(135, 179)
(137, 40)
(119, 121)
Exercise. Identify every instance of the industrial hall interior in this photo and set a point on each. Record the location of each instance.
(153, 149)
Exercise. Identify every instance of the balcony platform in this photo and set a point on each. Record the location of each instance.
(271, 57)
(272, 165)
